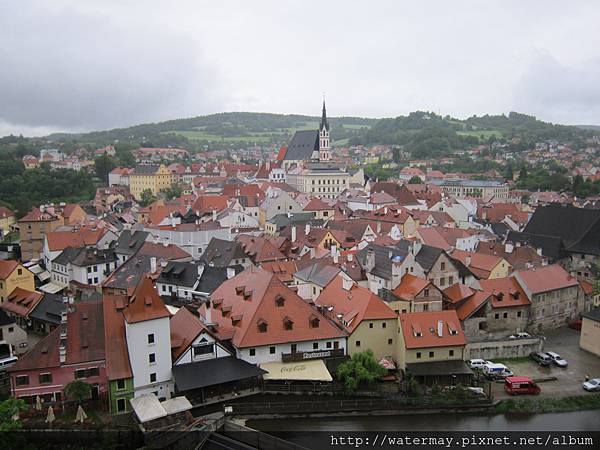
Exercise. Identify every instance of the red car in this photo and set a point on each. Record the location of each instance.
(521, 385)
(575, 324)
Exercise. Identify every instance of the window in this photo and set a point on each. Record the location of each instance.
(358, 343)
(443, 265)
(19, 271)
(370, 324)
(315, 345)
(450, 280)
(496, 316)
(425, 306)
(121, 405)
(383, 325)
(152, 358)
(336, 344)
(505, 315)
(22, 380)
(390, 341)
(153, 377)
(151, 338)
(431, 354)
(288, 324)
(518, 313)
(121, 384)
(450, 352)
(279, 300)
(252, 352)
(80, 373)
(204, 349)
(329, 344)
(418, 355)
(272, 350)
(293, 348)
(262, 327)
(45, 378)
(442, 281)
(426, 293)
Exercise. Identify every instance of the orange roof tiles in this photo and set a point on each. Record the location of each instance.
(416, 329)
(505, 292)
(355, 304)
(410, 286)
(7, 267)
(60, 240)
(251, 297)
(117, 354)
(21, 302)
(185, 328)
(547, 278)
(145, 303)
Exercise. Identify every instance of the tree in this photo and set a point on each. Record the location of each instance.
(8, 408)
(396, 154)
(363, 369)
(103, 165)
(78, 390)
(173, 191)
(523, 173)
(415, 180)
(147, 197)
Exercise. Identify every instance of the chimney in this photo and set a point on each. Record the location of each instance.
(153, 264)
(508, 247)
(468, 260)
(307, 229)
(214, 215)
(350, 257)
(440, 328)
(200, 270)
(293, 233)
(539, 251)
(208, 314)
(385, 210)
(347, 284)
(230, 273)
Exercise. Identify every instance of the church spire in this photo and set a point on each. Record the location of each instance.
(324, 123)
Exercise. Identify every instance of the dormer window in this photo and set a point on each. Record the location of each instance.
(314, 322)
(288, 324)
(279, 300)
(418, 334)
(240, 290)
(262, 326)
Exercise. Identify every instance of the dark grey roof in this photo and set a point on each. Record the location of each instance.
(213, 277)
(213, 371)
(49, 309)
(5, 319)
(220, 253)
(319, 274)
(594, 315)
(179, 274)
(66, 256)
(146, 168)
(437, 368)
(324, 122)
(283, 220)
(83, 257)
(383, 258)
(130, 242)
(578, 228)
(427, 256)
(552, 246)
(129, 274)
(302, 145)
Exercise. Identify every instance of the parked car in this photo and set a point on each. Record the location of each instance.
(541, 358)
(592, 385)
(5, 363)
(521, 385)
(557, 359)
(477, 363)
(575, 325)
(496, 371)
(521, 335)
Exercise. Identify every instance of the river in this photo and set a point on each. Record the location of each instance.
(568, 421)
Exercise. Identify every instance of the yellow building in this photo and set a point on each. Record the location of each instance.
(589, 339)
(155, 178)
(14, 275)
(369, 322)
(7, 218)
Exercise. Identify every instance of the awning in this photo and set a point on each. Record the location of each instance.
(211, 372)
(52, 287)
(147, 408)
(176, 405)
(314, 370)
(43, 276)
(35, 269)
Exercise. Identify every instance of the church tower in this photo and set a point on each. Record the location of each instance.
(324, 144)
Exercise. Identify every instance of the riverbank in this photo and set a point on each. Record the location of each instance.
(535, 405)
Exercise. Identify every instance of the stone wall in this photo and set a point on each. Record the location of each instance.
(504, 348)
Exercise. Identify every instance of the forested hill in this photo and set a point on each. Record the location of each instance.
(422, 133)
(426, 134)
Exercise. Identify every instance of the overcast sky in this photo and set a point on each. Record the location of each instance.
(85, 65)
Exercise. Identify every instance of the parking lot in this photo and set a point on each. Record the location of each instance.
(565, 342)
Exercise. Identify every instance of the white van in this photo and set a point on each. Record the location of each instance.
(477, 363)
(495, 371)
(5, 363)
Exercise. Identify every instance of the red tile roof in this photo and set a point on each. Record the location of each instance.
(185, 328)
(355, 304)
(587, 287)
(42, 356)
(84, 237)
(206, 204)
(505, 292)
(5, 212)
(410, 286)
(85, 333)
(316, 204)
(260, 249)
(21, 302)
(249, 298)
(480, 264)
(284, 270)
(145, 303)
(546, 278)
(7, 267)
(170, 251)
(117, 354)
(422, 323)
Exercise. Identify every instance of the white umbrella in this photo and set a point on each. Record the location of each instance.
(38, 403)
(50, 418)
(81, 415)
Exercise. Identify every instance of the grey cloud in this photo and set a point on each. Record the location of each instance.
(64, 68)
(560, 92)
